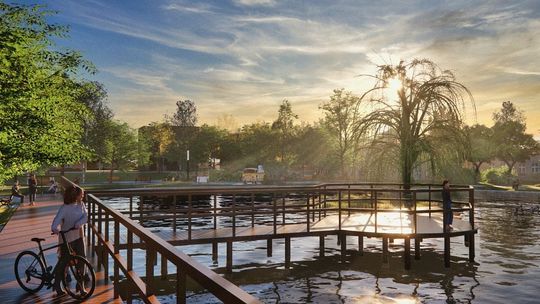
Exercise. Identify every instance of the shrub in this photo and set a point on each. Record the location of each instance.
(498, 176)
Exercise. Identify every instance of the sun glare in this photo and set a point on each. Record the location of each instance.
(393, 85)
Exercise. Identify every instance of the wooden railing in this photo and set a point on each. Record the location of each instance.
(309, 203)
(101, 217)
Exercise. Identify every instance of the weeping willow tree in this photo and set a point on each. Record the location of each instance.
(414, 103)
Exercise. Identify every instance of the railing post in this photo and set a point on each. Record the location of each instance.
(283, 208)
(149, 270)
(349, 200)
(189, 216)
(215, 211)
(274, 202)
(307, 212)
(174, 214)
(116, 256)
(131, 206)
(234, 215)
(105, 252)
(129, 260)
(180, 286)
(339, 209)
(376, 208)
(99, 245)
(429, 198)
(94, 226)
(252, 210)
(415, 214)
(164, 270)
(89, 221)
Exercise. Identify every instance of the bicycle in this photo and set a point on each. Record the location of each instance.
(32, 272)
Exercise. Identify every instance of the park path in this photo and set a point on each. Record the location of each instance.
(28, 222)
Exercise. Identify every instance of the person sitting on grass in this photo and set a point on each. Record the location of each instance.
(16, 195)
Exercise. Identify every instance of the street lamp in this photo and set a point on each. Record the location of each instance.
(187, 167)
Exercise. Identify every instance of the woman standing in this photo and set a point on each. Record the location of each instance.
(72, 214)
(32, 189)
(448, 216)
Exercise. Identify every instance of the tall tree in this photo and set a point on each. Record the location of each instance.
(40, 116)
(183, 123)
(428, 99)
(284, 126)
(512, 143)
(121, 147)
(480, 147)
(342, 118)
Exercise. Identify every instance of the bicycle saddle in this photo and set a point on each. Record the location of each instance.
(37, 240)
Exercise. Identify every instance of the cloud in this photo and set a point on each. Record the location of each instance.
(250, 56)
(255, 2)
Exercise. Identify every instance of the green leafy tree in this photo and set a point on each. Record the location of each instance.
(40, 116)
(428, 99)
(159, 137)
(481, 148)
(342, 117)
(512, 143)
(121, 147)
(183, 127)
(284, 126)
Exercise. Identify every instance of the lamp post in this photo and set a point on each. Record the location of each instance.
(187, 167)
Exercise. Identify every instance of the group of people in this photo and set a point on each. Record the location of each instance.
(18, 197)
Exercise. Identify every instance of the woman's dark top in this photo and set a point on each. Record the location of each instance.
(32, 184)
(446, 195)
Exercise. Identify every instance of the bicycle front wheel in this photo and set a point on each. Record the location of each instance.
(79, 278)
(29, 271)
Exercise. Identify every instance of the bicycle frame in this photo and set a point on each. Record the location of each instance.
(64, 244)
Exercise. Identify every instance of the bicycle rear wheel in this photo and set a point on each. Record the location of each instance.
(29, 271)
(79, 278)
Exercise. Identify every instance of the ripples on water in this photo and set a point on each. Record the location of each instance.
(507, 267)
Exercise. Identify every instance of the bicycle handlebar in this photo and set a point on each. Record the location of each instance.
(73, 228)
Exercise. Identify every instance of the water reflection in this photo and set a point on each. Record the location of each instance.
(507, 267)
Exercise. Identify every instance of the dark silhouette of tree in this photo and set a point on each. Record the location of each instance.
(428, 99)
(342, 118)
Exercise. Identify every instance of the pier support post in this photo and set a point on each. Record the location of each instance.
(321, 245)
(385, 250)
(407, 253)
(269, 247)
(215, 251)
(343, 246)
(229, 256)
(361, 245)
(446, 250)
(417, 248)
(287, 252)
(471, 247)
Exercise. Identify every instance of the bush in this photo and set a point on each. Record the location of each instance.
(225, 175)
(498, 176)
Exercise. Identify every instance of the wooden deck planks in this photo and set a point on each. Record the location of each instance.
(26, 223)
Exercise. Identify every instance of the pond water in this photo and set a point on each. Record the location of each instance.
(506, 268)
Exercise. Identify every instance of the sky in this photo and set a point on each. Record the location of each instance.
(243, 57)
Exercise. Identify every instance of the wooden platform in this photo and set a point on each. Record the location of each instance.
(26, 223)
(389, 224)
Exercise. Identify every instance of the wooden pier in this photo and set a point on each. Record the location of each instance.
(248, 213)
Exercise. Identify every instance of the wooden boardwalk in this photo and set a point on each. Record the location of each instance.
(391, 224)
(26, 223)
